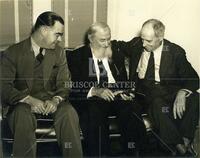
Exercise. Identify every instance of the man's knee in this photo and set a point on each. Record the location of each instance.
(21, 119)
(22, 108)
(158, 105)
(193, 101)
(66, 111)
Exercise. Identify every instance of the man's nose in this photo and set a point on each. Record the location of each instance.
(107, 43)
(144, 44)
(59, 38)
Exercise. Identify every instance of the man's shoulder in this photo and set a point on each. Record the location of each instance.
(77, 55)
(172, 47)
(81, 51)
(134, 41)
(17, 49)
(19, 45)
(81, 48)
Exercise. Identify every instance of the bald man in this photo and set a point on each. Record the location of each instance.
(168, 81)
(99, 70)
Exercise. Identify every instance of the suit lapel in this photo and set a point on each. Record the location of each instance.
(135, 58)
(165, 60)
(27, 62)
(89, 63)
(48, 63)
(113, 69)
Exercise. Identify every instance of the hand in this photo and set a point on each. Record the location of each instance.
(179, 104)
(50, 106)
(125, 95)
(103, 93)
(37, 106)
(129, 97)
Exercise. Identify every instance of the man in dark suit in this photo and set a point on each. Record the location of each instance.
(99, 78)
(163, 74)
(34, 77)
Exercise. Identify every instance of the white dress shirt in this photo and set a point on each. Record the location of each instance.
(107, 67)
(36, 48)
(143, 63)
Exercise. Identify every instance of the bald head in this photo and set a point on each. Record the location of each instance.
(152, 34)
(157, 26)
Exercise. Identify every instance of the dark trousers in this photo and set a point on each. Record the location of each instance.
(66, 123)
(129, 120)
(160, 100)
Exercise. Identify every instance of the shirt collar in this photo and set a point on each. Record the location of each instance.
(36, 48)
(34, 45)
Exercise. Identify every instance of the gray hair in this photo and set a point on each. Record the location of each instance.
(158, 26)
(96, 26)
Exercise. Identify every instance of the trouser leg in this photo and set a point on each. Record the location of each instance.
(23, 124)
(132, 126)
(66, 123)
(190, 118)
(98, 129)
(161, 114)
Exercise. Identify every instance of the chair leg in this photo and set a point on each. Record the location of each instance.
(166, 147)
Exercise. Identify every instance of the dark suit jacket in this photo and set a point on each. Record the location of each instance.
(175, 71)
(17, 72)
(81, 65)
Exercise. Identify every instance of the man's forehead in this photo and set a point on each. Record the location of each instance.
(57, 26)
(147, 31)
(103, 32)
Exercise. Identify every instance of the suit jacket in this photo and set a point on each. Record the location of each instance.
(175, 71)
(81, 65)
(17, 72)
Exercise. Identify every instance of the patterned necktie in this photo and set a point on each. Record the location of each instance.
(150, 73)
(40, 56)
(103, 76)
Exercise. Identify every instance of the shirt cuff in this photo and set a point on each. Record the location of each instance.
(188, 92)
(59, 98)
(22, 100)
(90, 93)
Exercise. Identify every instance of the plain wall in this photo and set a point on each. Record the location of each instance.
(40, 6)
(181, 18)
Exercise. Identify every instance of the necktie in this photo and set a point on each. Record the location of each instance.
(150, 73)
(103, 77)
(40, 56)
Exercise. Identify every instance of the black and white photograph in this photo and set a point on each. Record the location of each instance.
(99, 78)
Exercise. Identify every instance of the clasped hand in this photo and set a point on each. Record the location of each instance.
(42, 107)
(108, 95)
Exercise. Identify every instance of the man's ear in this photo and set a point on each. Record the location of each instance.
(43, 30)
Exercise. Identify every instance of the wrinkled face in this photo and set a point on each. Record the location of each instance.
(101, 39)
(150, 41)
(52, 35)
